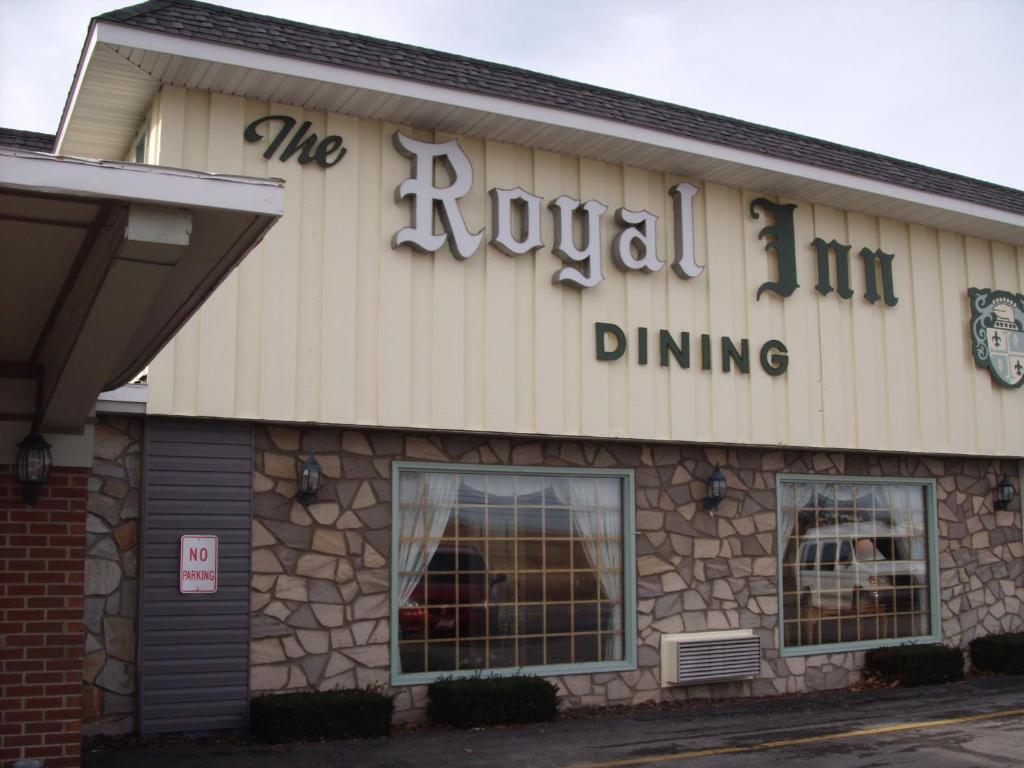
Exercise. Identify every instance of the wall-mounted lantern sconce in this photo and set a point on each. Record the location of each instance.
(311, 477)
(1004, 493)
(33, 466)
(716, 491)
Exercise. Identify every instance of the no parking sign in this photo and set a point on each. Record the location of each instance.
(197, 572)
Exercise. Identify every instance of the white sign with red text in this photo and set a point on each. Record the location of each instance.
(197, 573)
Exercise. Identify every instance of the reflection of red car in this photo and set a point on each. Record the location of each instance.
(451, 600)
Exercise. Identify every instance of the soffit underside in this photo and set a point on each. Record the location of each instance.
(42, 238)
(96, 283)
(120, 82)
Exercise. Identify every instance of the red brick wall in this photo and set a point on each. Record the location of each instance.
(42, 573)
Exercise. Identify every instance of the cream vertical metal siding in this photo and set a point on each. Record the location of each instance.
(325, 322)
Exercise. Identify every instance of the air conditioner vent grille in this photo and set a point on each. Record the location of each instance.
(719, 659)
(706, 658)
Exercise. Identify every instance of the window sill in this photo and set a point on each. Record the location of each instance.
(548, 670)
(861, 645)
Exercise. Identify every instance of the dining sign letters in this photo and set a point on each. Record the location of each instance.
(516, 230)
(515, 227)
(515, 221)
(441, 176)
(310, 147)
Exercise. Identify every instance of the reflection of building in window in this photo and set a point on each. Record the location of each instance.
(855, 561)
(500, 570)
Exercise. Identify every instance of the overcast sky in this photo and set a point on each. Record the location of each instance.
(933, 81)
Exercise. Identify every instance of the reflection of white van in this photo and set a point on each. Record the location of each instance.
(843, 569)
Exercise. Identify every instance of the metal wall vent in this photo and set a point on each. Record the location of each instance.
(709, 657)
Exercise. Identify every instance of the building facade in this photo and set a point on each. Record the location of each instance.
(522, 325)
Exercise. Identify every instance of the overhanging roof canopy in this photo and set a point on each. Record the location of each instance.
(132, 51)
(101, 264)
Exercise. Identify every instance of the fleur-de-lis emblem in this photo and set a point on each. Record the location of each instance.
(997, 334)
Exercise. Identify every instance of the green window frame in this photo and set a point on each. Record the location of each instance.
(140, 144)
(932, 563)
(629, 619)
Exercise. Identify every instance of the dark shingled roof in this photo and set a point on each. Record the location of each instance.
(215, 24)
(37, 142)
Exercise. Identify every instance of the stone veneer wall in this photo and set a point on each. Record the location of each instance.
(111, 583)
(320, 596)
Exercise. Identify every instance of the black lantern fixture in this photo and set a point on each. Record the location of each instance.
(1004, 493)
(311, 477)
(33, 466)
(716, 490)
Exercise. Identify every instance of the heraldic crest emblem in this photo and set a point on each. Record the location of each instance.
(997, 334)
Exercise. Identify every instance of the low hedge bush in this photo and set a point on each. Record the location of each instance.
(999, 653)
(912, 665)
(316, 715)
(479, 701)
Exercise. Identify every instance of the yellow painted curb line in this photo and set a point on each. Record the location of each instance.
(802, 740)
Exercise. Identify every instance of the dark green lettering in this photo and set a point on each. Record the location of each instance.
(307, 145)
(842, 253)
(667, 344)
(871, 261)
(740, 356)
(783, 242)
(705, 352)
(601, 331)
(252, 135)
(774, 357)
(328, 145)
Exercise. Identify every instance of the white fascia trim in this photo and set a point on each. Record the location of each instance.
(117, 35)
(76, 87)
(120, 408)
(129, 393)
(129, 399)
(37, 171)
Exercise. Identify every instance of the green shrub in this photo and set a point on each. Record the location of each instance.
(912, 665)
(999, 653)
(478, 701)
(316, 715)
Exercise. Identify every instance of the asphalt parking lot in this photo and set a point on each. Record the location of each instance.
(979, 722)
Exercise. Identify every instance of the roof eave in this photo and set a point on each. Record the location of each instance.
(159, 242)
(76, 85)
(459, 111)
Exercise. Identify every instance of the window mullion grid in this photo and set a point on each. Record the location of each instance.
(557, 590)
(895, 598)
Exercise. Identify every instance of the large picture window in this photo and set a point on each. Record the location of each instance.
(507, 570)
(858, 565)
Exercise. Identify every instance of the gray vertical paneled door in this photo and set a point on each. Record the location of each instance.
(194, 648)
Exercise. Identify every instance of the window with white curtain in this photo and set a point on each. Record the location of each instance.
(496, 569)
(857, 567)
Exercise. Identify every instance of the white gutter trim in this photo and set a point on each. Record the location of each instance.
(22, 169)
(118, 408)
(118, 35)
(129, 399)
(129, 393)
(83, 64)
